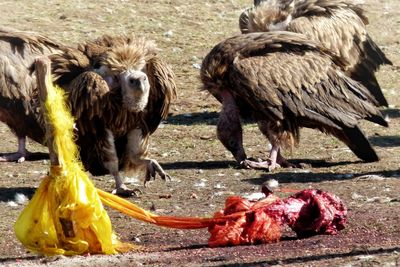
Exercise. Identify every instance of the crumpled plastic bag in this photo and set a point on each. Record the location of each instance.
(66, 219)
(65, 215)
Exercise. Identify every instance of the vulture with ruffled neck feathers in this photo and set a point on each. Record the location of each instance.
(118, 90)
(337, 24)
(285, 81)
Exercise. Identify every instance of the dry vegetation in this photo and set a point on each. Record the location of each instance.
(204, 173)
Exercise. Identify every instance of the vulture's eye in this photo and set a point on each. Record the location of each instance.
(134, 82)
(97, 65)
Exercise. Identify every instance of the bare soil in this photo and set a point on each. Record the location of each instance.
(203, 172)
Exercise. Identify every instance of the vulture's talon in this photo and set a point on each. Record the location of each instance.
(255, 164)
(154, 168)
(124, 191)
(166, 177)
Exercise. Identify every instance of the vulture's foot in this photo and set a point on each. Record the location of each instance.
(19, 156)
(152, 169)
(258, 164)
(269, 164)
(124, 191)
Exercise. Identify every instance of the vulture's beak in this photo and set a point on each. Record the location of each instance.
(135, 88)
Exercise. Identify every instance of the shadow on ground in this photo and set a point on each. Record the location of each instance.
(206, 165)
(385, 141)
(391, 112)
(305, 259)
(8, 194)
(308, 177)
(224, 164)
(33, 156)
(196, 118)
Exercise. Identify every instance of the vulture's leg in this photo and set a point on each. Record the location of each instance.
(276, 160)
(229, 128)
(110, 162)
(136, 152)
(18, 156)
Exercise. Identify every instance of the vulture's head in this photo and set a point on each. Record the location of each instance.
(121, 61)
(271, 15)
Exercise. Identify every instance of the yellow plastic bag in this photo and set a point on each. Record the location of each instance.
(65, 215)
(66, 220)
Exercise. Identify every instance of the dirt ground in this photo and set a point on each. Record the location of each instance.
(203, 172)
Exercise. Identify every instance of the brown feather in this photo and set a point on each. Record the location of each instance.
(162, 79)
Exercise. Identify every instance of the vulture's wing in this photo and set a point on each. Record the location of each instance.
(68, 65)
(341, 27)
(17, 53)
(302, 86)
(87, 95)
(162, 92)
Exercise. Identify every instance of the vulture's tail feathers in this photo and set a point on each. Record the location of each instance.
(378, 120)
(359, 144)
(368, 79)
(364, 72)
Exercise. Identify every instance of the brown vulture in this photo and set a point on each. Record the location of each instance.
(285, 81)
(337, 24)
(19, 106)
(118, 89)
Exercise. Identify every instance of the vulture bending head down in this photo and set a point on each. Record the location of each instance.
(336, 24)
(285, 82)
(118, 89)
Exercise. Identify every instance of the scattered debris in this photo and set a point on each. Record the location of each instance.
(196, 66)
(371, 177)
(254, 196)
(21, 198)
(201, 183)
(356, 196)
(219, 186)
(168, 34)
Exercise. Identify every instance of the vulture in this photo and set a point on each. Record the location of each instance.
(336, 24)
(285, 81)
(19, 103)
(118, 90)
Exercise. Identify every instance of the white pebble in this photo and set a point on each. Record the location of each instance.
(168, 34)
(20, 198)
(254, 196)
